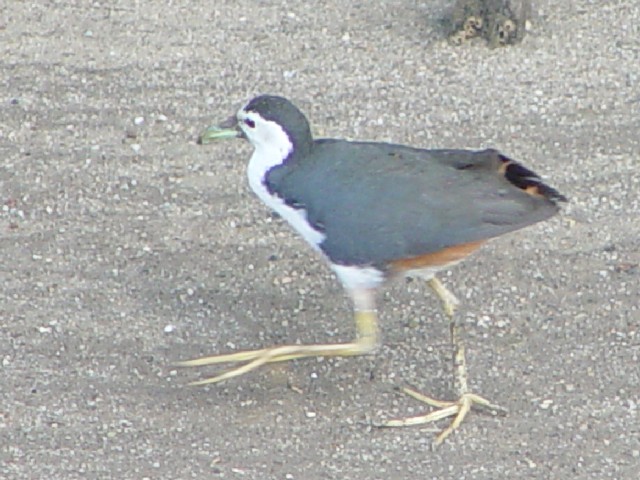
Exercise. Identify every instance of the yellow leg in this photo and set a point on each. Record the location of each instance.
(365, 342)
(466, 400)
(450, 304)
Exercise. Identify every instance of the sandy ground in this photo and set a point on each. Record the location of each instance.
(124, 246)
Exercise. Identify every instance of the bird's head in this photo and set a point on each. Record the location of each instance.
(269, 122)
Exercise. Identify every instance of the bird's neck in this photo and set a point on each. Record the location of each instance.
(266, 162)
(264, 158)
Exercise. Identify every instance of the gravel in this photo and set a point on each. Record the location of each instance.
(124, 246)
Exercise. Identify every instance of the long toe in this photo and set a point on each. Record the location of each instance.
(253, 359)
(457, 409)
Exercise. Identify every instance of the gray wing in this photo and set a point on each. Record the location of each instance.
(381, 202)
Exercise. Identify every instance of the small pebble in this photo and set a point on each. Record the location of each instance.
(546, 404)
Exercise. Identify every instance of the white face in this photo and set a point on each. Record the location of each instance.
(266, 136)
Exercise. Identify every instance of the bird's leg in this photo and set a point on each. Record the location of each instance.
(367, 336)
(466, 400)
(450, 304)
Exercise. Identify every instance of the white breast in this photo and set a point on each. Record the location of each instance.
(262, 160)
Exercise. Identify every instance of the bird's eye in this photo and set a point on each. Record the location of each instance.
(249, 123)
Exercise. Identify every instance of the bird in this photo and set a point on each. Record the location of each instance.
(375, 211)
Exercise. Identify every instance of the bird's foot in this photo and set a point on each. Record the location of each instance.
(457, 409)
(365, 342)
(253, 359)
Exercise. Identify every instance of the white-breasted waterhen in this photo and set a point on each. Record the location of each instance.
(375, 211)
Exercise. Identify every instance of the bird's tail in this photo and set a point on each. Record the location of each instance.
(527, 180)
